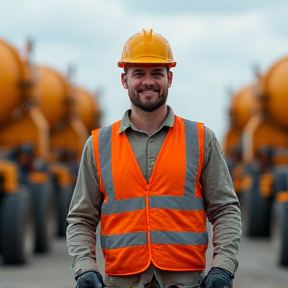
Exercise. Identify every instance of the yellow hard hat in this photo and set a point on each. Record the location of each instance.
(147, 48)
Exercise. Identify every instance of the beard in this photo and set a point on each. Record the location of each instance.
(148, 105)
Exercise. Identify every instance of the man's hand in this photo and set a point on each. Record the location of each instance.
(91, 279)
(218, 278)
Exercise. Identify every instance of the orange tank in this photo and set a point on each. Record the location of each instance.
(54, 94)
(56, 97)
(20, 120)
(243, 105)
(88, 108)
(273, 92)
(12, 74)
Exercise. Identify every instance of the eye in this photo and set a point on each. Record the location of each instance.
(158, 73)
(138, 74)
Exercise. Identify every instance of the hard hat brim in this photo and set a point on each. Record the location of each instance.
(147, 61)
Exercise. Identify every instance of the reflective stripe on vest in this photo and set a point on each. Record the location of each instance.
(162, 221)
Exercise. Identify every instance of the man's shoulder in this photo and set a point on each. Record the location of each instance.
(209, 134)
(106, 128)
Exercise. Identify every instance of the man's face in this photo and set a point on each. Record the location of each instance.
(147, 86)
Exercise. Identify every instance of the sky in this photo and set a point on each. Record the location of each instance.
(216, 44)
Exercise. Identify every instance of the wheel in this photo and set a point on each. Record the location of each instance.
(64, 199)
(17, 231)
(255, 210)
(279, 232)
(45, 215)
(63, 194)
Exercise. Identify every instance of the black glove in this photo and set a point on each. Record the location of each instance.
(91, 279)
(218, 278)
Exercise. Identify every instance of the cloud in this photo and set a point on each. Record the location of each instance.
(215, 44)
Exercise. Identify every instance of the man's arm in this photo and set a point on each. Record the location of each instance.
(223, 209)
(84, 215)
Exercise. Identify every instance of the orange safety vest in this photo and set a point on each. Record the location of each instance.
(162, 221)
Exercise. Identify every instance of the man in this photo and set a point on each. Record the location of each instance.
(152, 178)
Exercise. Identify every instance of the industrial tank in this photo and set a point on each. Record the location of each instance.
(265, 151)
(54, 95)
(242, 106)
(12, 74)
(273, 92)
(56, 98)
(18, 112)
(20, 124)
(268, 128)
(88, 108)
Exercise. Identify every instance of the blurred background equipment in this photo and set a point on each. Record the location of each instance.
(45, 121)
(256, 149)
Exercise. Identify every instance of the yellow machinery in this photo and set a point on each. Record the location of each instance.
(265, 157)
(17, 229)
(242, 106)
(57, 101)
(41, 141)
(22, 126)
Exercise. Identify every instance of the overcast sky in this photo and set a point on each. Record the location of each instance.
(215, 43)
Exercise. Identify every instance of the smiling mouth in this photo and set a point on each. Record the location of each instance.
(147, 90)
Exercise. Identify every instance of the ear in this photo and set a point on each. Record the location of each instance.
(124, 80)
(170, 78)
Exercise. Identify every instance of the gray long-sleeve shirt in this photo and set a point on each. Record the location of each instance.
(221, 201)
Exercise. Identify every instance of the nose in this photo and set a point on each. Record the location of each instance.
(148, 80)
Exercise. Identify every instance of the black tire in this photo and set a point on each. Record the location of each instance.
(45, 215)
(279, 232)
(17, 231)
(255, 210)
(63, 195)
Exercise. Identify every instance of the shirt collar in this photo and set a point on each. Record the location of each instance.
(126, 122)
